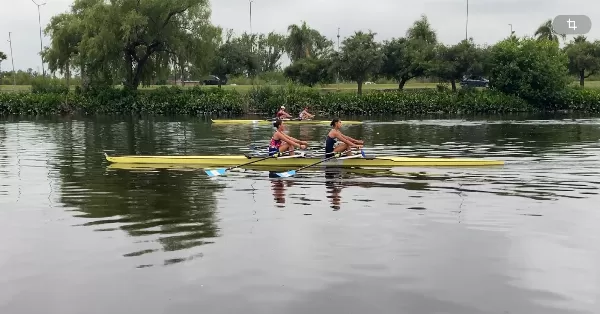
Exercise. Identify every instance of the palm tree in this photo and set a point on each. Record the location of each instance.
(299, 41)
(579, 39)
(546, 31)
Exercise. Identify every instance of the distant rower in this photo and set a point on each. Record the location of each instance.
(280, 142)
(305, 115)
(281, 114)
(334, 135)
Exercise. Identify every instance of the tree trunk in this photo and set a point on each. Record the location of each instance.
(68, 74)
(453, 82)
(402, 83)
(581, 77)
(128, 84)
(182, 74)
(138, 74)
(360, 83)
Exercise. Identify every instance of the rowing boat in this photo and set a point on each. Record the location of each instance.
(326, 122)
(374, 161)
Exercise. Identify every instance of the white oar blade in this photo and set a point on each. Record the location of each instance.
(286, 174)
(215, 172)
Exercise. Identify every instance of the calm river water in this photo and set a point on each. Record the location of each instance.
(78, 236)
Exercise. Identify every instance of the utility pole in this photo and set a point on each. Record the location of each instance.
(41, 48)
(12, 60)
(467, 24)
(338, 37)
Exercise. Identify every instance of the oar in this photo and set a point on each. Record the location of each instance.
(221, 171)
(256, 147)
(293, 172)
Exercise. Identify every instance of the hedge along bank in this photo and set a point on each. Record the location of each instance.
(266, 100)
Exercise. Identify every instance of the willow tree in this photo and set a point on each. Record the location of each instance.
(63, 53)
(133, 40)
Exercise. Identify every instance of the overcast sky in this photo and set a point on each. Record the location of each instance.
(488, 19)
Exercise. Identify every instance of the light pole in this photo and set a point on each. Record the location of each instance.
(338, 37)
(41, 48)
(250, 2)
(12, 60)
(511, 31)
(467, 24)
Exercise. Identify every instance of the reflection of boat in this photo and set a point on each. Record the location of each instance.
(374, 161)
(258, 121)
(370, 172)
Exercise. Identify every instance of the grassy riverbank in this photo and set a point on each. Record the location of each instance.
(342, 87)
(266, 100)
(345, 87)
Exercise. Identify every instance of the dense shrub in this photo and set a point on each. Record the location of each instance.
(164, 100)
(266, 100)
(535, 70)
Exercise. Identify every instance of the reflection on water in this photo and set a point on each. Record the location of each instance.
(519, 238)
(334, 187)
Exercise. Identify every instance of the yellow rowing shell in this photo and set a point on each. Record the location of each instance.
(326, 122)
(375, 161)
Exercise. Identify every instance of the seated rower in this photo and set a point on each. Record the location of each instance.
(281, 114)
(304, 115)
(334, 135)
(280, 142)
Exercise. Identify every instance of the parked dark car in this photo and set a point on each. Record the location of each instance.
(214, 80)
(474, 81)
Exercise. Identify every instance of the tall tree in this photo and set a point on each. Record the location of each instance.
(65, 35)
(422, 30)
(453, 62)
(410, 57)
(234, 57)
(271, 48)
(584, 58)
(311, 71)
(360, 57)
(304, 42)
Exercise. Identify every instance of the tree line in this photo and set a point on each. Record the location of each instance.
(144, 42)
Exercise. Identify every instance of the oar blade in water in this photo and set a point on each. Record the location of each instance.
(286, 174)
(215, 172)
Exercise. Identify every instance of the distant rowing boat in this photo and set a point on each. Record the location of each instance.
(375, 161)
(326, 122)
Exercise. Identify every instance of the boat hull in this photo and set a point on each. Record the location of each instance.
(375, 162)
(325, 122)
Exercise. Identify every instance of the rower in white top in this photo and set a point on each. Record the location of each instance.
(305, 115)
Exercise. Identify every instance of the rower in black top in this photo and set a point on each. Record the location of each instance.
(334, 135)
